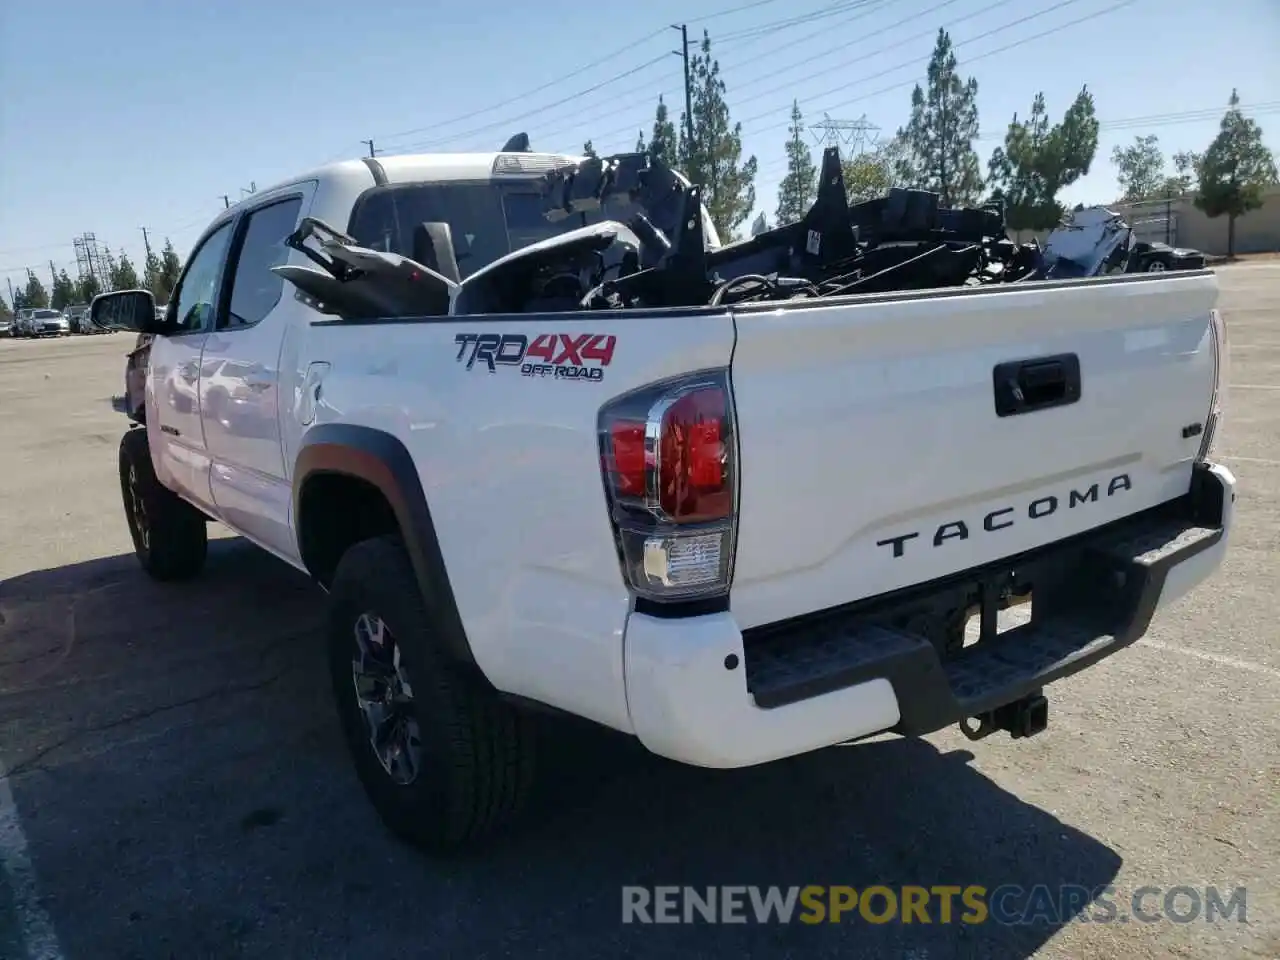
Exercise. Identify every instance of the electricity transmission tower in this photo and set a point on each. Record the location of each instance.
(90, 262)
(859, 135)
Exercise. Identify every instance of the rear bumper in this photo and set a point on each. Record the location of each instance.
(701, 691)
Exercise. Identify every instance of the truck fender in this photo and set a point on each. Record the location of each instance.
(382, 461)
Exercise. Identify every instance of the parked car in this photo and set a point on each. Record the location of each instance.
(1096, 241)
(49, 323)
(6, 327)
(22, 323)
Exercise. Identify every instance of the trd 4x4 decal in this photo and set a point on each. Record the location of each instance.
(563, 356)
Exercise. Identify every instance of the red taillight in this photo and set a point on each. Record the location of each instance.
(669, 465)
(693, 479)
(627, 440)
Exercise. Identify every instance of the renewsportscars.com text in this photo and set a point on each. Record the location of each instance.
(973, 904)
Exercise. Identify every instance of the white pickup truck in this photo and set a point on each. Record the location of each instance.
(737, 529)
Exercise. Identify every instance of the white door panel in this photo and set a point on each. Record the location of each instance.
(240, 391)
(173, 411)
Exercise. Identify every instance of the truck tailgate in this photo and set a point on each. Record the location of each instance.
(874, 456)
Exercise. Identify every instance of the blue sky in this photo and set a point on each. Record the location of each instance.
(143, 113)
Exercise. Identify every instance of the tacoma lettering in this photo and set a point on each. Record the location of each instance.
(1006, 517)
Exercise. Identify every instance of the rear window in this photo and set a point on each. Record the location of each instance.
(46, 314)
(487, 220)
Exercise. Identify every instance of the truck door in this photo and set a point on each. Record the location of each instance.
(240, 402)
(176, 437)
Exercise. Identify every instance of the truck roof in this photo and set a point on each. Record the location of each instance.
(411, 167)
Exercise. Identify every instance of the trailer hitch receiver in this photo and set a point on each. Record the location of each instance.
(1024, 717)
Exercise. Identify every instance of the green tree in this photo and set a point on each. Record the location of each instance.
(872, 173)
(641, 147)
(170, 267)
(1186, 175)
(1236, 169)
(111, 268)
(34, 296)
(589, 150)
(663, 144)
(1038, 160)
(6, 313)
(123, 274)
(64, 292)
(714, 159)
(800, 185)
(1139, 168)
(151, 273)
(938, 140)
(88, 288)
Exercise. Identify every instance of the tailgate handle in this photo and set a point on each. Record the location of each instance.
(1024, 386)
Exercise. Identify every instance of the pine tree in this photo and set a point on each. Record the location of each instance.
(714, 159)
(663, 144)
(35, 296)
(170, 267)
(939, 154)
(88, 288)
(64, 291)
(798, 188)
(1235, 170)
(589, 150)
(111, 268)
(1037, 161)
(123, 275)
(640, 144)
(151, 274)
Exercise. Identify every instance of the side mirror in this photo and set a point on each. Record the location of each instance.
(126, 310)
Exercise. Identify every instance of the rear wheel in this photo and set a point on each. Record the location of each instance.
(444, 761)
(169, 535)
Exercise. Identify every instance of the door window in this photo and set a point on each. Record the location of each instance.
(255, 288)
(196, 299)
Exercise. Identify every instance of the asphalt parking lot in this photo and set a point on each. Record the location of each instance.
(176, 785)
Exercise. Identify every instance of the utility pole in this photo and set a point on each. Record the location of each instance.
(226, 201)
(683, 53)
(369, 144)
(12, 300)
(146, 241)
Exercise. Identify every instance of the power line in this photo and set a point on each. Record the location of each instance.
(649, 97)
(768, 29)
(529, 92)
(739, 8)
(727, 11)
(1153, 121)
(915, 61)
(982, 56)
(512, 122)
(772, 76)
(844, 45)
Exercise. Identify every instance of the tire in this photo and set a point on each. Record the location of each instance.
(474, 753)
(169, 535)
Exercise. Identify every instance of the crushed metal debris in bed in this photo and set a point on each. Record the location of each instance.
(661, 256)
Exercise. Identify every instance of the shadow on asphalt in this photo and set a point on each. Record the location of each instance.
(184, 792)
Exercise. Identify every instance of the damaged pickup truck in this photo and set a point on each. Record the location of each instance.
(548, 443)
